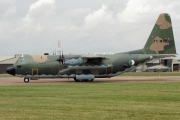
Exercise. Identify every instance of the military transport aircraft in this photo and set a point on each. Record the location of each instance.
(87, 67)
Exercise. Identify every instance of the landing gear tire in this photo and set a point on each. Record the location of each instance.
(26, 80)
(91, 80)
(76, 80)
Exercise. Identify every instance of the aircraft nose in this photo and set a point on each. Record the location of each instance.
(10, 70)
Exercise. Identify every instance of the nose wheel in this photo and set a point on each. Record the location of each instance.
(26, 80)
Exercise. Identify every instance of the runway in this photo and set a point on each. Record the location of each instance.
(14, 81)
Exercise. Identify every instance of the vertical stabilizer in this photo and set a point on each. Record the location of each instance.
(161, 39)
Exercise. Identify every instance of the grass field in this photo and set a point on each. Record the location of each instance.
(138, 101)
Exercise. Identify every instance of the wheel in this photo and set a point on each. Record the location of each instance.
(76, 80)
(91, 80)
(88, 80)
(26, 80)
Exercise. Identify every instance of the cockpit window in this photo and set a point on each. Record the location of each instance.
(20, 60)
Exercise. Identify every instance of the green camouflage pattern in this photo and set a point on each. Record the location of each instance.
(87, 67)
(161, 39)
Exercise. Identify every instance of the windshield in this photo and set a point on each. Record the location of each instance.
(20, 60)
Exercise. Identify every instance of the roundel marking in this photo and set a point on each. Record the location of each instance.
(151, 57)
(131, 62)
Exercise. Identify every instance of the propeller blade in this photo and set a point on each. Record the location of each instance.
(61, 58)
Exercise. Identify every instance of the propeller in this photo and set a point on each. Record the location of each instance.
(61, 58)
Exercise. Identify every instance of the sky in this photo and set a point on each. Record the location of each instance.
(81, 26)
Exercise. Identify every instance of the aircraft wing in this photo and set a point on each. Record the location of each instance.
(93, 57)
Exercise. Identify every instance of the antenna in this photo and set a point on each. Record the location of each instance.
(59, 47)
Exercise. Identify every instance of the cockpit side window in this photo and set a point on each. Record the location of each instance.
(20, 60)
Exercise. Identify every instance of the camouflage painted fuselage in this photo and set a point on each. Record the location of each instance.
(42, 66)
(107, 65)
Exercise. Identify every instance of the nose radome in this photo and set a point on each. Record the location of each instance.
(10, 70)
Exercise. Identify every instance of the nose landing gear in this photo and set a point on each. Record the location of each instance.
(26, 80)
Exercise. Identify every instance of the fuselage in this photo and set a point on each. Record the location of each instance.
(47, 66)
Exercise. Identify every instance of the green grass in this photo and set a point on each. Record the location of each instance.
(137, 101)
(151, 74)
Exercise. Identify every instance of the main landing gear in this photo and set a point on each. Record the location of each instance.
(26, 80)
(85, 80)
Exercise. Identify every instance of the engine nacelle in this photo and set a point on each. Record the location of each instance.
(75, 61)
(84, 77)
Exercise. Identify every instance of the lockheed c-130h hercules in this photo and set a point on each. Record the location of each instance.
(87, 67)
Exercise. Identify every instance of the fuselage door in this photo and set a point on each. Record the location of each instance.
(109, 70)
(34, 71)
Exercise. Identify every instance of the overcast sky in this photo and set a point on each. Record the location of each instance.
(82, 26)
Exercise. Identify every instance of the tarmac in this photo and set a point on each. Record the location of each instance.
(14, 81)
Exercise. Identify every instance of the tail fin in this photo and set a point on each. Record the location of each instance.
(161, 39)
